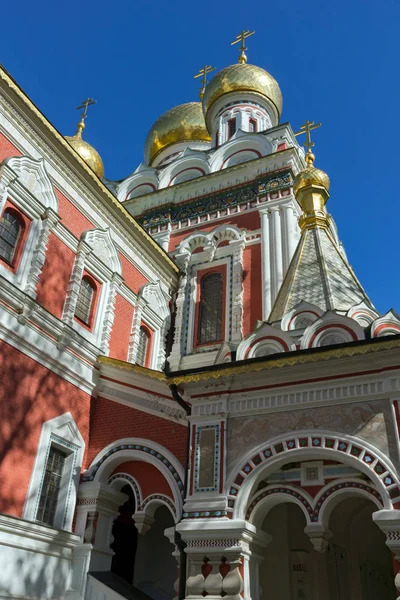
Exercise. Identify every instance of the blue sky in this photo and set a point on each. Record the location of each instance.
(336, 62)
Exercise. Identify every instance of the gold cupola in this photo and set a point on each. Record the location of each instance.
(184, 123)
(243, 77)
(86, 151)
(311, 188)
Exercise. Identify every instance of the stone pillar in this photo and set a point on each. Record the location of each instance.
(265, 263)
(237, 291)
(276, 247)
(96, 510)
(290, 235)
(177, 350)
(223, 559)
(389, 522)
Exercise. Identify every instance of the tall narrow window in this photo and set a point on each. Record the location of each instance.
(252, 125)
(10, 230)
(211, 309)
(51, 486)
(85, 300)
(143, 344)
(217, 139)
(231, 127)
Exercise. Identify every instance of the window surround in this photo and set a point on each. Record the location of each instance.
(97, 257)
(143, 329)
(152, 312)
(26, 186)
(63, 433)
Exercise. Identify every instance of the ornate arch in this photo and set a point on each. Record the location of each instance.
(315, 510)
(142, 450)
(310, 445)
(123, 479)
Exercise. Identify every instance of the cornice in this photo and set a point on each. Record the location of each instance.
(290, 359)
(86, 176)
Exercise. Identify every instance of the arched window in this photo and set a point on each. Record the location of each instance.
(252, 125)
(211, 309)
(143, 344)
(231, 127)
(84, 303)
(10, 230)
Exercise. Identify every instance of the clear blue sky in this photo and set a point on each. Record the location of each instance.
(336, 62)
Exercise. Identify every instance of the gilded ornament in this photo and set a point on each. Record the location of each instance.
(184, 123)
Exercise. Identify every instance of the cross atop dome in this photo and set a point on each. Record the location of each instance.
(203, 73)
(240, 38)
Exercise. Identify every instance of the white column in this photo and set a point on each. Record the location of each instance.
(265, 263)
(276, 245)
(290, 235)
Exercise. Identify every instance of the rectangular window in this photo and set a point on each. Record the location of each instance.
(51, 486)
(231, 127)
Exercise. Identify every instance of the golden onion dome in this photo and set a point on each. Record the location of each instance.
(246, 78)
(184, 123)
(310, 176)
(86, 151)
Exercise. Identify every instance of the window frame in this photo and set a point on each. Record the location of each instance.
(219, 324)
(253, 121)
(230, 122)
(198, 275)
(148, 349)
(96, 287)
(24, 223)
(63, 433)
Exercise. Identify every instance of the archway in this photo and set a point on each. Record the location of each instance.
(155, 565)
(125, 537)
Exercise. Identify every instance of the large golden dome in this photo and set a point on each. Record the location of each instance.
(86, 151)
(184, 123)
(246, 78)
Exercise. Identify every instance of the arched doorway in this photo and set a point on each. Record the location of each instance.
(155, 566)
(356, 565)
(125, 537)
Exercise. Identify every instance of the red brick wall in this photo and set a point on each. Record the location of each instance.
(72, 219)
(54, 279)
(133, 278)
(121, 330)
(252, 288)
(112, 421)
(150, 479)
(30, 395)
(7, 149)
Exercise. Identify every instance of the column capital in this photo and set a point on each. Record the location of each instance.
(319, 536)
(388, 521)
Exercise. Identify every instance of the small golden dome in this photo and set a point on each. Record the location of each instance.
(86, 151)
(310, 176)
(243, 77)
(184, 123)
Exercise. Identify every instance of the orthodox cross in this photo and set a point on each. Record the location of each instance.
(307, 128)
(84, 105)
(240, 38)
(203, 73)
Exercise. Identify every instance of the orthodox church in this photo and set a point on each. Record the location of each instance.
(199, 399)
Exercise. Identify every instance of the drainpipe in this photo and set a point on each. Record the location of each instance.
(180, 544)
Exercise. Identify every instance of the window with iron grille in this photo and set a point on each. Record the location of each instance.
(51, 486)
(231, 127)
(10, 229)
(85, 299)
(211, 309)
(141, 354)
